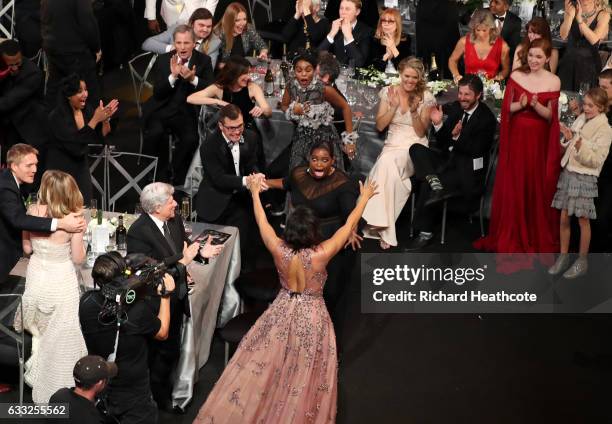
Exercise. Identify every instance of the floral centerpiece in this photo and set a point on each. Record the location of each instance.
(438, 87)
(375, 78)
(111, 224)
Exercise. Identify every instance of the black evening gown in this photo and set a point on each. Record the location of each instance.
(580, 62)
(332, 199)
(68, 147)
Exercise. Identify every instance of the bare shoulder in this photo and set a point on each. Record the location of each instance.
(553, 82)
(37, 210)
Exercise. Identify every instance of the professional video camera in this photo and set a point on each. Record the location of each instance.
(142, 277)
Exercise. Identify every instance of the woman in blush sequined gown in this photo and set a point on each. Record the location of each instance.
(285, 368)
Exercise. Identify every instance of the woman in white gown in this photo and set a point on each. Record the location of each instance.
(51, 297)
(404, 108)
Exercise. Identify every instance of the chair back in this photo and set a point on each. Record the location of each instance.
(140, 71)
(7, 19)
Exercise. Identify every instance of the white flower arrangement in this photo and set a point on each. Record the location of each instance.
(375, 78)
(563, 100)
(437, 87)
(105, 223)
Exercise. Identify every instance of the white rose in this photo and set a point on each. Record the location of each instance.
(563, 99)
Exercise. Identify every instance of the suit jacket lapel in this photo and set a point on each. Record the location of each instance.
(159, 238)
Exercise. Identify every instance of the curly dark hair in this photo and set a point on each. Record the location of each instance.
(323, 144)
(302, 229)
(107, 267)
(306, 56)
(70, 85)
(234, 68)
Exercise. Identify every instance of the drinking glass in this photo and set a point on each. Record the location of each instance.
(93, 208)
(584, 88)
(186, 214)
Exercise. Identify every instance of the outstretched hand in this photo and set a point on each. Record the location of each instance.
(367, 190)
(210, 250)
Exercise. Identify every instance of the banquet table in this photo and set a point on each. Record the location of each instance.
(213, 301)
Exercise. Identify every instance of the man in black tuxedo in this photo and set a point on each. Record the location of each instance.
(177, 74)
(21, 105)
(348, 38)
(159, 234)
(229, 158)
(22, 163)
(464, 140)
(508, 23)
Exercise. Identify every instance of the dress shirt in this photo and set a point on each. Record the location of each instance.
(499, 21)
(159, 223)
(172, 79)
(235, 149)
(53, 221)
(331, 40)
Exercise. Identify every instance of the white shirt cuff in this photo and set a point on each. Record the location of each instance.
(168, 48)
(331, 40)
(172, 80)
(437, 127)
(195, 81)
(346, 42)
(53, 224)
(244, 181)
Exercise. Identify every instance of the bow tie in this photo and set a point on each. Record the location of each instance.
(500, 18)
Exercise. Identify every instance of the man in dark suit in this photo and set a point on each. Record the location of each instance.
(508, 23)
(20, 98)
(464, 140)
(348, 38)
(71, 41)
(177, 74)
(159, 234)
(22, 162)
(229, 158)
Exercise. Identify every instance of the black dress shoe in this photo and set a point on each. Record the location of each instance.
(417, 243)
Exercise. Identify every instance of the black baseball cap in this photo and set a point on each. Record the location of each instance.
(93, 368)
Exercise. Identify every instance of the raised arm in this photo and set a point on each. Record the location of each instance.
(334, 244)
(211, 95)
(389, 103)
(260, 100)
(601, 30)
(268, 235)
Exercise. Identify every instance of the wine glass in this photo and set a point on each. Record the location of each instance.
(137, 210)
(186, 214)
(93, 208)
(584, 88)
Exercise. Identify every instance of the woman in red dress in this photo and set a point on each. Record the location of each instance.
(483, 49)
(522, 220)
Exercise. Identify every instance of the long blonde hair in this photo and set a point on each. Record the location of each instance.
(60, 193)
(417, 65)
(483, 17)
(225, 27)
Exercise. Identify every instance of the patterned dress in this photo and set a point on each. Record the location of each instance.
(314, 125)
(285, 368)
(51, 315)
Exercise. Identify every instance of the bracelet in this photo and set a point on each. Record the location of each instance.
(349, 138)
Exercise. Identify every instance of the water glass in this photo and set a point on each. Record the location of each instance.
(93, 208)
(584, 88)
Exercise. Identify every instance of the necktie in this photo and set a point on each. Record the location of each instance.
(168, 237)
(464, 120)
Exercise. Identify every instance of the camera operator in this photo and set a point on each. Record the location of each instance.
(129, 397)
(159, 234)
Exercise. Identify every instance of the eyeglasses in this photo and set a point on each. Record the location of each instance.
(387, 21)
(233, 129)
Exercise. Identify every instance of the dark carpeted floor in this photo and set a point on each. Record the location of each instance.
(436, 368)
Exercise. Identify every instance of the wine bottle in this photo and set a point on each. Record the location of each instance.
(269, 82)
(284, 66)
(121, 235)
(434, 72)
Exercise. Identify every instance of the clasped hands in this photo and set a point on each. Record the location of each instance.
(345, 26)
(256, 183)
(177, 68)
(524, 101)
